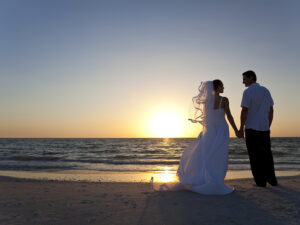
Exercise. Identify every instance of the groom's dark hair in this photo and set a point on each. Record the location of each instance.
(250, 74)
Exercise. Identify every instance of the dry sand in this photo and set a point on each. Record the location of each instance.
(59, 202)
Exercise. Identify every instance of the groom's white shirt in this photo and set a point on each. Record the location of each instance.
(258, 100)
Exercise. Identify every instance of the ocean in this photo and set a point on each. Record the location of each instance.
(126, 155)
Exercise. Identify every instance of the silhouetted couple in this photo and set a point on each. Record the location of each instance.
(204, 162)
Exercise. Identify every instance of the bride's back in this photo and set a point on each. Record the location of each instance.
(215, 116)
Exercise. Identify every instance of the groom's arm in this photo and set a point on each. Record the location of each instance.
(244, 116)
(271, 112)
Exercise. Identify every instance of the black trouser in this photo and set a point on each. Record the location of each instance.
(260, 155)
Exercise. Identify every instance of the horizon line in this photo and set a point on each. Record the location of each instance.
(121, 137)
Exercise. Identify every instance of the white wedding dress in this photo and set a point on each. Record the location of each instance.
(203, 164)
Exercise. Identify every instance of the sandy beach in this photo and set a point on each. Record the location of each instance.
(25, 201)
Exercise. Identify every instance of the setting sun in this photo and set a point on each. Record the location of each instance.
(166, 123)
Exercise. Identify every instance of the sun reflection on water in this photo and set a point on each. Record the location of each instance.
(166, 176)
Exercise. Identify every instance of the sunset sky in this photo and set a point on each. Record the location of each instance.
(131, 68)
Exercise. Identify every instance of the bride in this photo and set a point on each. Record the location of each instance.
(203, 164)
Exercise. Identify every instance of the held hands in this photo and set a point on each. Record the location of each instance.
(239, 133)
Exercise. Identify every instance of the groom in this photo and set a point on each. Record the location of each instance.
(256, 116)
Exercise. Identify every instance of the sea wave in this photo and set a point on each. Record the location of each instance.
(121, 154)
(34, 158)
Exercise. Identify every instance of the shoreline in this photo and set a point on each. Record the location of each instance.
(24, 201)
(117, 176)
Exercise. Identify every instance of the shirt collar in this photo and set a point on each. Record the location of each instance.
(254, 84)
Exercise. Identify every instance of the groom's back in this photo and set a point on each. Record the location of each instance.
(258, 100)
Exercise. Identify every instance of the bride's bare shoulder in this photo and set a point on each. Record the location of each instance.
(225, 102)
(225, 99)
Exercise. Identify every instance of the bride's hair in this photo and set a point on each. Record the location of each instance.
(216, 84)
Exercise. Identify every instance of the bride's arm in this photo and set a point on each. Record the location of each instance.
(229, 116)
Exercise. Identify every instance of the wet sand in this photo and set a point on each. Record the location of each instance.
(109, 176)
